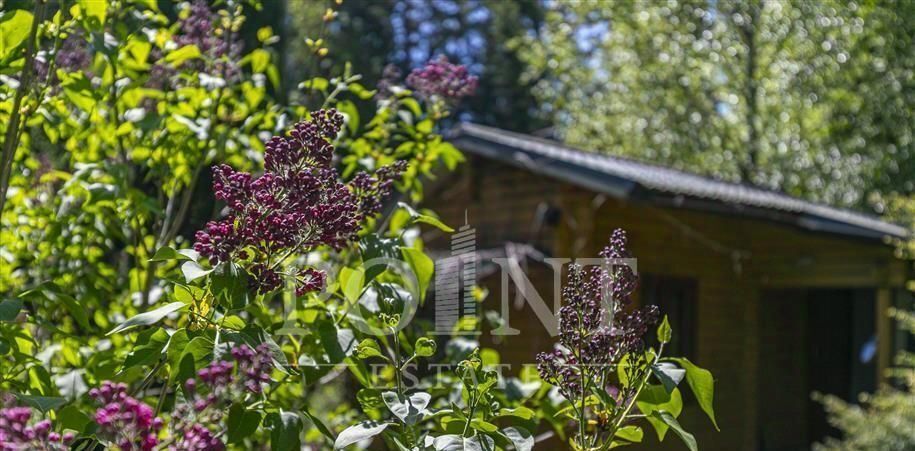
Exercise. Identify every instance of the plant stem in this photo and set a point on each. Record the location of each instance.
(11, 140)
(473, 408)
(625, 412)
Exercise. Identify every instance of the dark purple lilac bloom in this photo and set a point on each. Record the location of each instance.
(591, 336)
(439, 78)
(298, 204)
(126, 422)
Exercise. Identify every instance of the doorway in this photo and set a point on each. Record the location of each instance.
(812, 340)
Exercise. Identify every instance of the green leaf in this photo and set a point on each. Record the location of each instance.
(454, 442)
(669, 374)
(656, 398)
(192, 271)
(422, 267)
(521, 412)
(351, 111)
(359, 432)
(42, 403)
(424, 347)
(148, 318)
(368, 348)
(195, 356)
(71, 417)
(631, 433)
(179, 56)
(520, 437)
(167, 253)
(669, 420)
(427, 219)
(229, 282)
(319, 425)
(148, 348)
(9, 309)
(14, 30)
(372, 247)
(242, 423)
(95, 11)
(703, 386)
(52, 294)
(260, 59)
(285, 431)
(408, 409)
(664, 331)
(317, 83)
(351, 283)
(337, 343)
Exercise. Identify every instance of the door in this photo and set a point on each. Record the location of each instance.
(819, 340)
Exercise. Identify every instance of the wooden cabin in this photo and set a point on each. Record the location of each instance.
(777, 296)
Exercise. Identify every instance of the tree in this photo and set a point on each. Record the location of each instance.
(812, 98)
(407, 33)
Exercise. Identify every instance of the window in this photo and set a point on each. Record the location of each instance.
(675, 297)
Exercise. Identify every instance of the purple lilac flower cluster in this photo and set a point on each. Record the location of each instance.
(440, 78)
(200, 28)
(214, 389)
(591, 336)
(127, 422)
(17, 435)
(299, 203)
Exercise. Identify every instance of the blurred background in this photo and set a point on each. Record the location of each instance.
(810, 98)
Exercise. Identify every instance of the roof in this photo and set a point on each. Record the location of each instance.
(628, 179)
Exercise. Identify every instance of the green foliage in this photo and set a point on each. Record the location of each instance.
(812, 98)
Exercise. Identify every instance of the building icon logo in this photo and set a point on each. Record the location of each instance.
(455, 278)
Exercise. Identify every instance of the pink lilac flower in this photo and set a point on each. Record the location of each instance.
(591, 337)
(17, 435)
(123, 420)
(297, 204)
(442, 79)
(211, 393)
